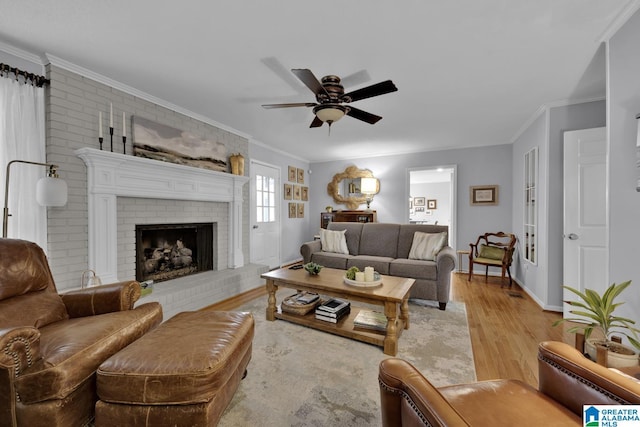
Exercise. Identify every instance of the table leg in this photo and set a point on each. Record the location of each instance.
(271, 301)
(391, 337)
(404, 312)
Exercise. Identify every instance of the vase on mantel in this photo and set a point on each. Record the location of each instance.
(237, 164)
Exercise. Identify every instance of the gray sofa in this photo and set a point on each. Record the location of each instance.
(385, 247)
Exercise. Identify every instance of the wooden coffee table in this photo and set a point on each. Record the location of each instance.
(393, 295)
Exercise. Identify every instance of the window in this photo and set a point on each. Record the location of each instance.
(265, 199)
(530, 207)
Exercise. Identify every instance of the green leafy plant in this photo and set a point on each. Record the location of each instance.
(600, 309)
(351, 273)
(313, 268)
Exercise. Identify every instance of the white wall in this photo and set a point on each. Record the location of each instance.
(441, 193)
(623, 102)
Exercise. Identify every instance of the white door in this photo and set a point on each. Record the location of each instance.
(585, 211)
(265, 214)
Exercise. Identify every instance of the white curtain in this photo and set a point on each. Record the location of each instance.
(22, 138)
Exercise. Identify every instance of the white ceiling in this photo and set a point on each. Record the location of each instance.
(468, 72)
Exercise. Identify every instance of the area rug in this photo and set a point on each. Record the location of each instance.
(299, 376)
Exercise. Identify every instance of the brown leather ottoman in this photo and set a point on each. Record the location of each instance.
(183, 373)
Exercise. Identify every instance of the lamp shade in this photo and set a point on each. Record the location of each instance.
(51, 192)
(368, 185)
(329, 113)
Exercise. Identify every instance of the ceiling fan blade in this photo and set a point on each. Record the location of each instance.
(363, 115)
(357, 78)
(369, 91)
(295, 104)
(316, 123)
(307, 77)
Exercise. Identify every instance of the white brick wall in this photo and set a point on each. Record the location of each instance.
(72, 105)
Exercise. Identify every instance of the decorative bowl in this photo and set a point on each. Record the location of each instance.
(313, 268)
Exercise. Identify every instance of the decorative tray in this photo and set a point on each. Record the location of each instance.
(376, 282)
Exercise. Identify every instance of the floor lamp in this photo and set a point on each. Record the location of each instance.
(50, 190)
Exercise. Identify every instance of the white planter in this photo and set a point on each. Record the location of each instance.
(614, 360)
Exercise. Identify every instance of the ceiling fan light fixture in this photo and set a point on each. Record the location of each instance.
(330, 113)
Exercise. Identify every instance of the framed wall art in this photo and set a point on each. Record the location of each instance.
(418, 201)
(288, 192)
(297, 192)
(432, 204)
(481, 195)
(305, 194)
(300, 210)
(293, 174)
(293, 210)
(300, 176)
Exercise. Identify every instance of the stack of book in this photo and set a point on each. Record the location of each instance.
(333, 310)
(373, 320)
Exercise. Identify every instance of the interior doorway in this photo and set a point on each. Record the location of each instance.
(432, 197)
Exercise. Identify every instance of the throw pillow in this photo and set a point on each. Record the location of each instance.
(426, 246)
(491, 252)
(334, 241)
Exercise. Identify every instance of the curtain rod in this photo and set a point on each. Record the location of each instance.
(35, 79)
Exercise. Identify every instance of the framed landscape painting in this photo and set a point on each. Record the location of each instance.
(483, 195)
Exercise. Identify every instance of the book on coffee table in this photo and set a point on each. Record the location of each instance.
(369, 319)
(333, 317)
(333, 305)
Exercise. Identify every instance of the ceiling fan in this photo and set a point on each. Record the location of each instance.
(331, 98)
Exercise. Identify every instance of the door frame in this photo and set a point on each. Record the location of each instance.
(252, 204)
(452, 194)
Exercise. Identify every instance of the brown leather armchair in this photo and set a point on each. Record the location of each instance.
(51, 344)
(567, 380)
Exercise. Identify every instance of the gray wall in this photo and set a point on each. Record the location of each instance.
(475, 166)
(293, 229)
(543, 280)
(624, 200)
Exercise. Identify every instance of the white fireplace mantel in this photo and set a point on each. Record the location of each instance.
(110, 175)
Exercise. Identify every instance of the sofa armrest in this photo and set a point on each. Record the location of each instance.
(407, 398)
(19, 349)
(102, 299)
(568, 377)
(446, 260)
(308, 248)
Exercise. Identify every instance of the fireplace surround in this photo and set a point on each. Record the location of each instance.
(111, 175)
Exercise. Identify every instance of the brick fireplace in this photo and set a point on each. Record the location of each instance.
(120, 190)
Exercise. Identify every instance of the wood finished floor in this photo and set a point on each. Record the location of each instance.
(505, 324)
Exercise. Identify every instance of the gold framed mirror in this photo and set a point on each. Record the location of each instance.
(345, 187)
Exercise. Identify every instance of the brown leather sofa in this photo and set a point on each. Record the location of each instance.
(567, 380)
(51, 344)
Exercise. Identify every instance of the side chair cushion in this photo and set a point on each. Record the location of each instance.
(36, 309)
(491, 252)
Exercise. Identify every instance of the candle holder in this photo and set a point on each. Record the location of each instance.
(124, 144)
(100, 139)
(111, 133)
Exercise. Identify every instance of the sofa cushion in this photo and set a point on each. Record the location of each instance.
(353, 231)
(379, 239)
(405, 239)
(333, 241)
(330, 259)
(426, 246)
(379, 263)
(73, 349)
(34, 309)
(416, 269)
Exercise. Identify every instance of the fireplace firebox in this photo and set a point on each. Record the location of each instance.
(169, 251)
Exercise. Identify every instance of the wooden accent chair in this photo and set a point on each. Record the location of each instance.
(493, 250)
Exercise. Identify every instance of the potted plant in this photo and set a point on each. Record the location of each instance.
(597, 314)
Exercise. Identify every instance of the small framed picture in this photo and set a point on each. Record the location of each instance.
(305, 194)
(288, 192)
(300, 210)
(480, 195)
(293, 174)
(418, 201)
(297, 192)
(300, 176)
(293, 210)
(432, 204)
(420, 209)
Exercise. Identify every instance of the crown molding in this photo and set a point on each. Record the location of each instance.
(276, 150)
(22, 54)
(619, 21)
(69, 66)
